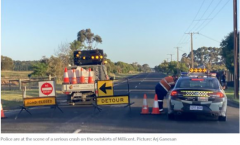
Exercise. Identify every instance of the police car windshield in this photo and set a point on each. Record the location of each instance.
(198, 83)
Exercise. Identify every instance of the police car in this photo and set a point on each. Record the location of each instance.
(199, 94)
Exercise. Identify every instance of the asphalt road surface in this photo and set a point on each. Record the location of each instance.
(117, 118)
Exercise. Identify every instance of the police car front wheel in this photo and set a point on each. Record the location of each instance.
(222, 118)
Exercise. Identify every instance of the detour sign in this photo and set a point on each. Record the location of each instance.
(39, 101)
(112, 100)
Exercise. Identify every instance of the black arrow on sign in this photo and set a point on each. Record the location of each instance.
(104, 88)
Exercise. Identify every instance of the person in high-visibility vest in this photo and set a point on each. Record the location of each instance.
(162, 89)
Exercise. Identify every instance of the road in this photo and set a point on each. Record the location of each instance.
(116, 118)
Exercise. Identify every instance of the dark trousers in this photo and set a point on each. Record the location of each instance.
(161, 92)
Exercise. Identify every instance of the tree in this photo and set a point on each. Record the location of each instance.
(146, 68)
(227, 51)
(40, 69)
(206, 56)
(88, 38)
(64, 53)
(6, 63)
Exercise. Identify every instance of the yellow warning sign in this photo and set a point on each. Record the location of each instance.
(105, 88)
(39, 101)
(112, 100)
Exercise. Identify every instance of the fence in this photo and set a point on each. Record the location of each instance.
(17, 84)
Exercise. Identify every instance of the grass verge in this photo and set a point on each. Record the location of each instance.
(121, 76)
(230, 94)
(15, 74)
(12, 99)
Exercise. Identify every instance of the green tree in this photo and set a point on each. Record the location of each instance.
(6, 63)
(40, 69)
(227, 46)
(87, 38)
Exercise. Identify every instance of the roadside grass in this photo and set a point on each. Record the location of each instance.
(230, 94)
(15, 74)
(121, 76)
(12, 99)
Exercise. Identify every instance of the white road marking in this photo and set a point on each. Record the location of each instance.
(77, 131)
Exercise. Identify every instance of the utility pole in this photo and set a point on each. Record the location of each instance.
(192, 45)
(167, 59)
(177, 53)
(178, 70)
(171, 56)
(236, 52)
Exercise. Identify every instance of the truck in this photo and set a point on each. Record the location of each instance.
(89, 66)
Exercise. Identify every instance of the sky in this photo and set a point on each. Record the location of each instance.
(143, 31)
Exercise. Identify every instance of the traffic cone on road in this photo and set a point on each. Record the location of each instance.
(90, 79)
(65, 77)
(155, 109)
(2, 112)
(145, 109)
(82, 79)
(74, 79)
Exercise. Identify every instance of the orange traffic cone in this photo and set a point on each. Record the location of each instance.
(74, 79)
(2, 112)
(155, 109)
(82, 79)
(145, 105)
(65, 76)
(90, 79)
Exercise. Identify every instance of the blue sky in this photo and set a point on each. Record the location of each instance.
(143, 31)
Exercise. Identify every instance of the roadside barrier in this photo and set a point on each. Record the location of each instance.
(2, 112)
(145, 109)
(66, 78)
(155, 109)
(90, 79)
(47, 97)
(74, 78)
(105, 95)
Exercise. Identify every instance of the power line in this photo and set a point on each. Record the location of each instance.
(192, 21)
(209, 38)
(215, 15)
(202, 15)
(210, 14)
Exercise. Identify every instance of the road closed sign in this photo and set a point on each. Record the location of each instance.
(28, 102)
(46, 89)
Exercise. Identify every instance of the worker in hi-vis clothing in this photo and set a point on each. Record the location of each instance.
(162, 89)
